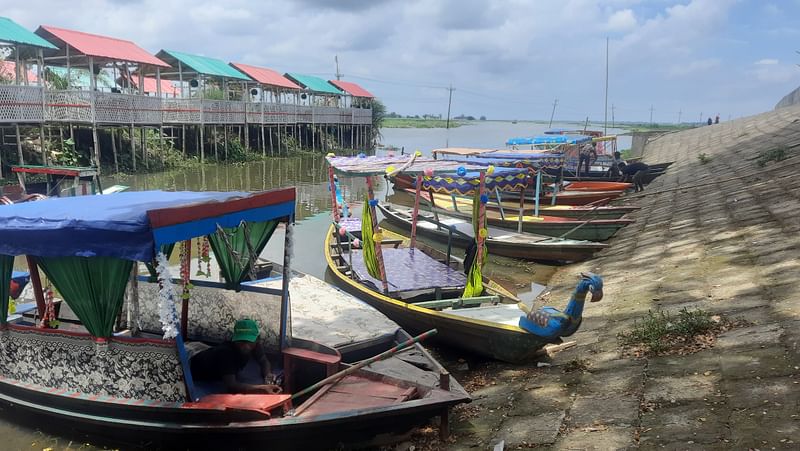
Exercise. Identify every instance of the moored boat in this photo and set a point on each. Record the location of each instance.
(120, 383)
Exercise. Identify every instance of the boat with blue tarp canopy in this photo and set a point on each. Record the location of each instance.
(549, 139)
(91, 248)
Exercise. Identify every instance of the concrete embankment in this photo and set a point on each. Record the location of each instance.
(722, 236)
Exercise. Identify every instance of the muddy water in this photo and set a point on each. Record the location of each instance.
(308, 173)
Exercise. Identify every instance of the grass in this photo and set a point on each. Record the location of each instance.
(703, 158)
(660, 331)
(775, 154)
(396, 122)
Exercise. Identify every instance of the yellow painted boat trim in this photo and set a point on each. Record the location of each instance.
(384, 298)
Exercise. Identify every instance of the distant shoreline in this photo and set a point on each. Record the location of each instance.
(396, 122)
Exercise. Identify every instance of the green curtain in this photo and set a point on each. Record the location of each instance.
(6, 269)
(474, 285)
(235, 263)
(92, 287)
(165, 249)
(370, 257)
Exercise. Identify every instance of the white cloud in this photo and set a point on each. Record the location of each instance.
(693, 67)
(766, 62)
(776, 73)
(622, 20)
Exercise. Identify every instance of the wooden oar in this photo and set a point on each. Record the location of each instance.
(583, 223)
(352, 369)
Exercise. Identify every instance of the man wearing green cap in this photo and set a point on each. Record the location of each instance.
(224, 361)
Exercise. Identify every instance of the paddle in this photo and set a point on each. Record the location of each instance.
(364, 363)
(581, 217)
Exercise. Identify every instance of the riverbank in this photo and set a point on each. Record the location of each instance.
(719, 237)
(398, 122)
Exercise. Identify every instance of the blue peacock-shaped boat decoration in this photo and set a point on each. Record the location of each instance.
(551, 323)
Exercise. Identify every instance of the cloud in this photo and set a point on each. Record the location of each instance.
(776, 73)
(693, 67)
(766, 62)
(622, 20)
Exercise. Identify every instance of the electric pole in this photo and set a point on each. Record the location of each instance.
(701, 117)
(449, 102)
(605, 106)
(555, 102)
(338, 75)
(651, 114)
(679, 116)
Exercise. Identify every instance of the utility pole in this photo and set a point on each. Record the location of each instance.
(701, 117)
(679, 116)
(651, 114)
(605, 108)
(449, 102)
(555, 102)
(338, 75)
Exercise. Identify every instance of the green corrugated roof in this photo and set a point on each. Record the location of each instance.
(11, 31)
(313, 83)
(207, 66)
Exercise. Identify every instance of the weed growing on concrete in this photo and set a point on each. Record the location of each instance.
(775, 154)
(704, 159)
(660, 331)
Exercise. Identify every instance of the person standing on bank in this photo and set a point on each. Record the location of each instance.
(224, 361)
(586, 157)
(635, 172)
(716, 119)
(709, 122)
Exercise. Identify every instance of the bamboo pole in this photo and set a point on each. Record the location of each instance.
(133, 147)
(114, 151)
(363, 363)
(143, 139)
(376, 229)
(416, 211)
(481, 219)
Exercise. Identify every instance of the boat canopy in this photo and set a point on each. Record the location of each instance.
(131, 225)
(409, 164)
(549, 139)
(505, 179)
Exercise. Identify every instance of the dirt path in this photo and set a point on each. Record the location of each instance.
(731, 247)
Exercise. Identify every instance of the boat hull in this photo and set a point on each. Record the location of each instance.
(497, 341)
(549, 251)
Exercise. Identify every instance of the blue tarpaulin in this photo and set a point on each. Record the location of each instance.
(549, 139)
(114, 225)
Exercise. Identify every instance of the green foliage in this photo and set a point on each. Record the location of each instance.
(658, 330)
(775, 154)
(65, 154)
(419, 123)
(703, 158)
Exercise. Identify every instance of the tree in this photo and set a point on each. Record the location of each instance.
(483, 118)
(378, 115)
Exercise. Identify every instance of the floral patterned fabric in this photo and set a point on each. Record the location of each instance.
(118, 369)
(213, 311)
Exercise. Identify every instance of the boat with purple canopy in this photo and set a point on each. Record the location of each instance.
(97, 372)
(420, 287)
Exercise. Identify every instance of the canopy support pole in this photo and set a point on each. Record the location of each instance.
(187, 251)
(434, 211)
(538, 192)
(378, 247)
(521, 210)
(416, 211)
(455, 204)
(481, 219)
(500, 203)
(287, 272)
(38, 293)
(334, 204)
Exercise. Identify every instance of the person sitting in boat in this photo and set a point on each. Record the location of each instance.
(635, 172)
(586, 157)
(223, 362)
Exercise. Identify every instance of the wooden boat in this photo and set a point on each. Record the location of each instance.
(462, 204)
(567, 197)
(486, 325)
(595, 186)
(573, 228)
(500, 242)
(420, 287)
(125, 385)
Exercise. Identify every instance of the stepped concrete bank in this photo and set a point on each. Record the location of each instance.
(723, 237)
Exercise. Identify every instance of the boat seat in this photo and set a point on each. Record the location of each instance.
(410, 269)
(291, 355)
(458, 303)
(263, 404)
(21, 309)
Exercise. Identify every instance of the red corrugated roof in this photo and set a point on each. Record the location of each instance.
(265, 76)
(151, 86)
(351, 88)
(101, 46)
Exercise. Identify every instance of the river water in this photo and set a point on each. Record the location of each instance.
(308, 173)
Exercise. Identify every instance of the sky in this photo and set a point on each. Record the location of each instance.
(505, 59)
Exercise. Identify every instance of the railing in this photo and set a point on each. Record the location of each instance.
(26, 104)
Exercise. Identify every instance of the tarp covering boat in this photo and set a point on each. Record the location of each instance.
(506, 179)
(409, 164)
(549, 139)
(130, 225)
